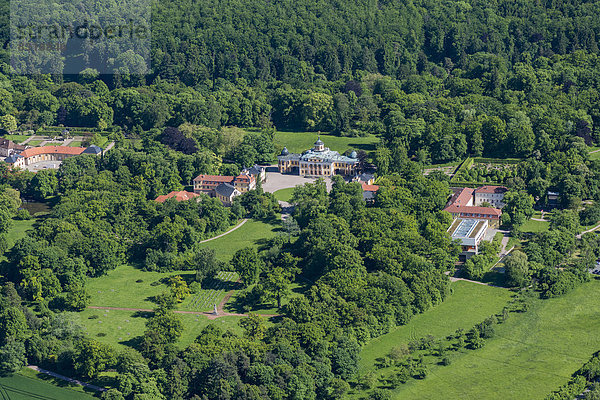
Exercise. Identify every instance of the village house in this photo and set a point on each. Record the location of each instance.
(369, 192)
(318, 161)
(226, 193)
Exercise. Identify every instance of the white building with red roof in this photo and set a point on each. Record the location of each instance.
(493, 195)
(462, 205)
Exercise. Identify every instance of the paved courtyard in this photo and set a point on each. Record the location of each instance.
(276, 181)
(38, 166)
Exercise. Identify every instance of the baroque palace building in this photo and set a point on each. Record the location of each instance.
(318, 161)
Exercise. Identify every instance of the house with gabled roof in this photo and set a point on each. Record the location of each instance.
(226, 193)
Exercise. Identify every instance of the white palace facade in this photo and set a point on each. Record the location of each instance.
(318, 161)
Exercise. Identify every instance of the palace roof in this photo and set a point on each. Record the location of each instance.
(317, 155)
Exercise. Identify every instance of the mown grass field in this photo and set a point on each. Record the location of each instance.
(532, 354)
(297, 142)
(252, 233)
(28, 385)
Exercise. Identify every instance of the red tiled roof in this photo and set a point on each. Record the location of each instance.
(463, 197)
(455, 208)
(179, 196)
(34, 151)
(370, 188)
(214, 178)
(244, 177)
(491, 189)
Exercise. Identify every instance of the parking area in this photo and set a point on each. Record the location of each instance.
(38, 166)
(277, 181)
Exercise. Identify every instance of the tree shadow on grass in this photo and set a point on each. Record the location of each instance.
(135, 342)
(142, 314)
(494, 278)
(100, 381)
(363, 146)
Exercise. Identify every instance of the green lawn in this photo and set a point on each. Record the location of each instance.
(34, 142)
(16, 138)
(284, 194)
(468, 304)
(535, 226)
(532, 354)
(18, 230)
(120, 287)
(114, 327)
(252, 233)
(75, 143)
(596, 155)
(297, 142)
(29, 385)
(121, 327)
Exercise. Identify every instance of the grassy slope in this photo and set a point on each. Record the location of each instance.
(469, 304)
(18, 229)
(284, 194)
(535, 226)
(119, 288)
(25, 387)
(252, 233)
(532, 354)
(297, 142)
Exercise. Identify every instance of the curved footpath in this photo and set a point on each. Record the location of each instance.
(226, 233)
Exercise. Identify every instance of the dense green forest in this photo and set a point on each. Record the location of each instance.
(437, 80)
(434, 81)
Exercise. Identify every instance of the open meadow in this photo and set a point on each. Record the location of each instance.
(468, 304)
(532, 353)
(252, 233)
(297, 142)
(132, 288)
